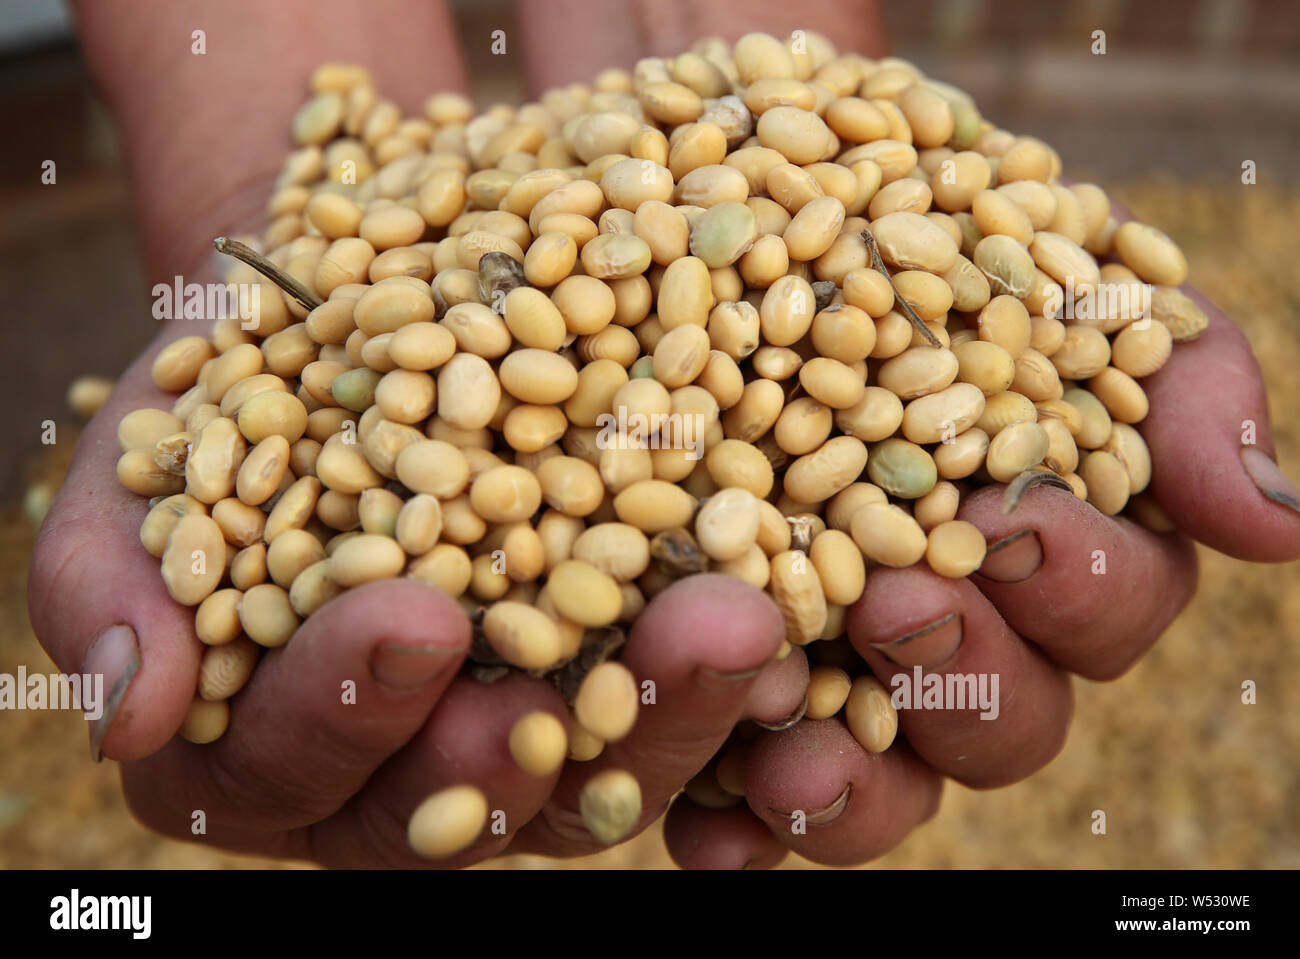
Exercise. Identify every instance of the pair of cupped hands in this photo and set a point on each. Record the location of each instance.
(302, 775)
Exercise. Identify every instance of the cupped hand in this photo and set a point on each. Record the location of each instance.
(1040, 608)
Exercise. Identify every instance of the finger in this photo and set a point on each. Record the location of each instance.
(1005, 707)
(1093, 591)
(779, 695)
(465, 741)
(700, 838)
(1212, 445)
(701, 642)
(826, 798)
(318, 717)
(96, 598)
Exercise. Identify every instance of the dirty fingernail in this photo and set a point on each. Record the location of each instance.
(115, 656)
(930, 646)
(1013, 558)
(777, 725)
(820, 817)
(1270, 479)
(402, 667)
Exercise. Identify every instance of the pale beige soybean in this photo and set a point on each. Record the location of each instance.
(997, 214)
(377, 511)
(248, 566)
(241, 524)
(391, 304)
(797, 591)
(888, 535)
(214, 461)
(176, 367)
(832, 383)
(685, 295)
(707, 186)
(421, 346)
(1062, 454)
(570, 485)
(727, 523)
(1152, 255)
(224, 670)
(433, 467)
(193, 561)
(819, 475)
(955, 549)
(1036, 377)
(902, 468)
(607, 701)
(828, 690)
(908, 195)
(909, 241)
(774, 534)
(204, 721)
(937, 506)
(679, 357)
(505, 494)
(419, 524)
(787, 311)
(447, 822)
(799, 135)
(843, 332)
(839, 566)
(959, 179)
(598, 383)
(327, 421)
(942, 415)
(216, 621)
(842, 506)
(1107, 481)
(736, 463)
(874, 417)
(332, 321)
(792, 187)
(468, 392)
(918, 371)
(733, 328)
(538, 376)
(292, 552)
(722, 378)
(1046, 335)
(143, 429)
(856, 120)
(1005, 321)
(616, 549)
(478, 330)
(653, 506)
(803, 425)
(928, 114)
(333, 215)
(615, 256)
(1130, 449)
(533, 319)
(757, 411)
(383, 443)
(1123, 396)
(963, 455)
(622, 465)
(1141, 348)
(558, 534)
(929, 295)
(391, 226)
(985, 365)
(610, 803)
(364, 558)
(1096, 421)
(294, 507)
(446, 566)
(346, 260)
(814, 228)
(342, 466)
(1084, 353)
(1015, 449)
(538, 743)
(1064, 260)
(870, 714)
(162, 519)
(1176, 310)
(723, 233)
(583, 594)
(586, 303)
(1006, 263)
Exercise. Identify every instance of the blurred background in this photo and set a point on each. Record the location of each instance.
(1187, 91)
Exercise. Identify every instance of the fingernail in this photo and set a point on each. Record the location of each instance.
(1013, 558)
(930, 646)
(404, 667)
(718, 681)
(779, 724)
(821, 817)
(114, 655)
(1270, 479)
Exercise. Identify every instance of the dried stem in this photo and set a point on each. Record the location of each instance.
(246, 254)
(907, 307)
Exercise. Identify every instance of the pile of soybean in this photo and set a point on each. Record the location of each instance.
(822, 297)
